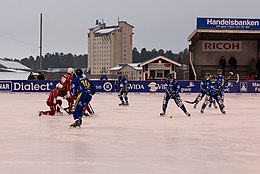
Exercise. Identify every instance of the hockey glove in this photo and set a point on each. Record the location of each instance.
(172, 95)
(67, 95)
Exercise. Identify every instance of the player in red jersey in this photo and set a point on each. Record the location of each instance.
(66, 81)
(53, 102)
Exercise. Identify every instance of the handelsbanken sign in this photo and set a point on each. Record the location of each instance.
(228, 23)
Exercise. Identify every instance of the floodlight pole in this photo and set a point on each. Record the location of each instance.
(41, 42)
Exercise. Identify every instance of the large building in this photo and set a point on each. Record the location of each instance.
(109, 46)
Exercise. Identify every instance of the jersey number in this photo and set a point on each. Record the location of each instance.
(85, 83)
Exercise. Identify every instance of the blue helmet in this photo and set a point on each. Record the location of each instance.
(79, 72)
(170, 76)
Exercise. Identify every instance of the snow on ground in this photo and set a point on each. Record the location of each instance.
(130, 139)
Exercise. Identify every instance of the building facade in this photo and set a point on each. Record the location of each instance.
(158, 68)
(109, 46)
(214, 38)
(132, 71)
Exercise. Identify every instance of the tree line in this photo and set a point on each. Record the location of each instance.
(182, 57)
(61, 60)
(56, 60)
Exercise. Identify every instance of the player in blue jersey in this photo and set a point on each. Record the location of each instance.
(221, 80)
(213, 90)
(122, 82)
(83, 90)
(172, 92)
(203, 85)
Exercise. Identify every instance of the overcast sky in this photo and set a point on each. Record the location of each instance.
(160, 24)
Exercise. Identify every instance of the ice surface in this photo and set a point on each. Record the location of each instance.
(134, 139)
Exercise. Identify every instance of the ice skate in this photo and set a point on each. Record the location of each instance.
(223, 111)
(122, 104)
(40, 113)
(202, 111)
(162, 113)
(80, 121)
(187, 113)
(195, 105)
(126, 103)
(76, 123)
(215, 106)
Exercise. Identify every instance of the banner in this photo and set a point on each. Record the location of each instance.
(228, 23)
(221, 46)
(134, 86)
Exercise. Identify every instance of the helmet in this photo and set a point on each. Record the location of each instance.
(214, 77)
(59, 86)
(79, 72)
(207, 74)
(70, 70)
(219, 71)
(170, 76)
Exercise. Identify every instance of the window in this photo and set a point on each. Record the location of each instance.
(152, 74)
(166, 72)
(159, 73)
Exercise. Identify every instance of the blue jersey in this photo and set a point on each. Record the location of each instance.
(82, 84)
(173, 87)
(221, 80)
(122, 82)
(214, 88)
(203, 85)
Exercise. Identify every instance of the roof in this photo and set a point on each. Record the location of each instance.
(13, 65)
(18, 75)
(116, 68)
(135, 66)
(132, 65)
(222, 31)
(105, 30)
(160, 57)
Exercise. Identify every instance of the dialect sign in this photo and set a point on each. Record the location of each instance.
(27, 86)
(228, 23)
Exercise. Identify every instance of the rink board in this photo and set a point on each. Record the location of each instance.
(134, 86)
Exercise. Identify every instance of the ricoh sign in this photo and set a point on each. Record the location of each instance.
(221, 46)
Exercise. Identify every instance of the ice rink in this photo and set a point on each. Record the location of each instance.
(130, 140)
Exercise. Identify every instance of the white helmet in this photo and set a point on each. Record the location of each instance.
(59, 86)
(70, 70)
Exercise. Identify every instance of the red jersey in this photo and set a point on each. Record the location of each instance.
(52, 96)
(66, 81)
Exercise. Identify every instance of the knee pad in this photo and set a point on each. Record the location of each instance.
(178, 102)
